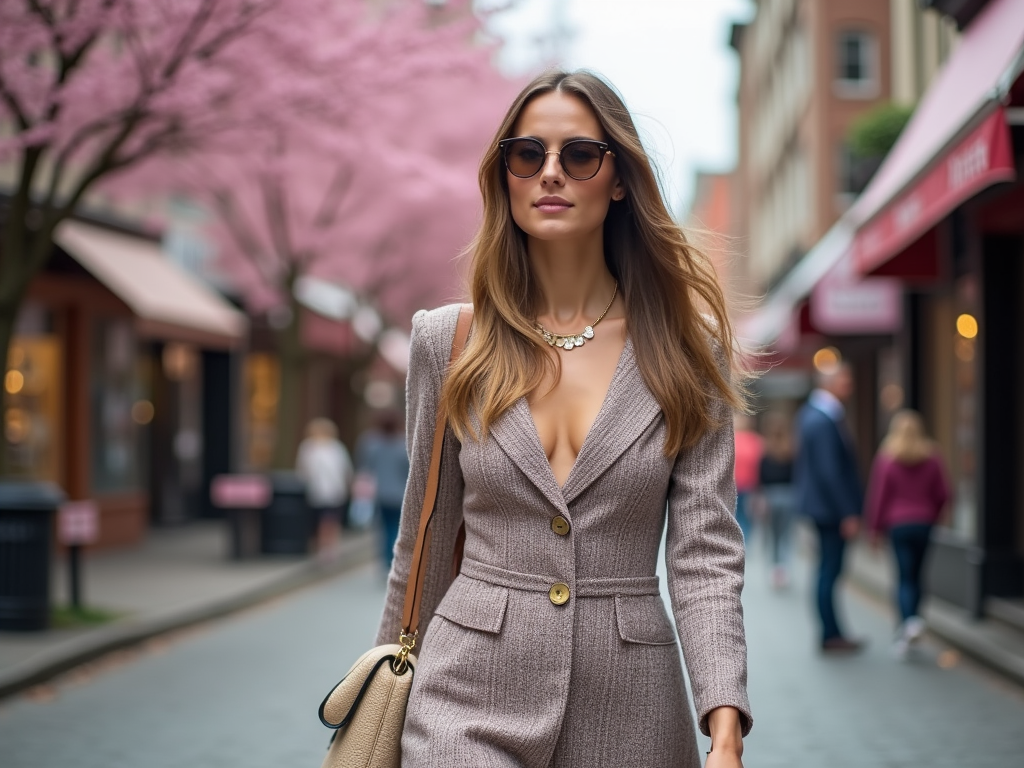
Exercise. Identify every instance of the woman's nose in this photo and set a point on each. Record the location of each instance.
(552, 168)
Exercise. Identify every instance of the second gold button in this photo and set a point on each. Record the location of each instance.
(560, 525)
(559, 593)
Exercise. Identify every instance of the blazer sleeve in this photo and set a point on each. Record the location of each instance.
(704, 558)
(429, 350)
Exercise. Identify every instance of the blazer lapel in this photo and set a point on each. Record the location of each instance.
(628, 410)
(517, 436)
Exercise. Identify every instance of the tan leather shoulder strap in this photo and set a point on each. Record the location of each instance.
(420, 552)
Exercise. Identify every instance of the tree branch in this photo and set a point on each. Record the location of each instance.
(241, 233)
(277, 217)
(335, 196)
(20, 115)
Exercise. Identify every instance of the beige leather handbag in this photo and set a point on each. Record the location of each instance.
(367, 708)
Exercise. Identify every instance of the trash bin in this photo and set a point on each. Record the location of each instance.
(287, 524)
(26, 545)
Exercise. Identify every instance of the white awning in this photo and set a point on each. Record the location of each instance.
(169, 302)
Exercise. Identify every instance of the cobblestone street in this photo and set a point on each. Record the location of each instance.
(244, 691)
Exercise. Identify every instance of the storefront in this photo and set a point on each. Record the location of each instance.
(120, 381)
(945, 216)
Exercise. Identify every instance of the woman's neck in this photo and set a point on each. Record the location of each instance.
(575, 284)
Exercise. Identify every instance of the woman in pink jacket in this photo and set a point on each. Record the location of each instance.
(907, 492)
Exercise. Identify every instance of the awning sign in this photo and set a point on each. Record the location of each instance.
(844, 303)
(984, 157)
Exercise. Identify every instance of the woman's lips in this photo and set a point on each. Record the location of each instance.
(552, 205)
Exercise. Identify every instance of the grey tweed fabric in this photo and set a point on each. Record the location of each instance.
(506, 677)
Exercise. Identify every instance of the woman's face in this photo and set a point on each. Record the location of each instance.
(551, 205)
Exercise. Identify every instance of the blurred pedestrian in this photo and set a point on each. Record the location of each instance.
(324, 463)
(749, 447)
(381, 453)
(907, 493)
(828, 490)
(775, 484)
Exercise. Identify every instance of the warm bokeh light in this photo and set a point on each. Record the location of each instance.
(827, 359)
(967, 326)
(14, 381)
(142, 412)
(17, 425)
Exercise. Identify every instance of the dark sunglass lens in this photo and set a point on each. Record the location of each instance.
(524, 157)
(582, 159)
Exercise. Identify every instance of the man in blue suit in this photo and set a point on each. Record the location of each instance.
(828, 490)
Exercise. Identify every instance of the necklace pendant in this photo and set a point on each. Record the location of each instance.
(588, 332)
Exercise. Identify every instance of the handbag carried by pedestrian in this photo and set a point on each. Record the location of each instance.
(367, 708)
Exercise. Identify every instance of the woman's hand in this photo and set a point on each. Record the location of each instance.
(720, 758)
(726, 738)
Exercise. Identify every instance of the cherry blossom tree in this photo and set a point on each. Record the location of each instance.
(381, 198)
(94, 88)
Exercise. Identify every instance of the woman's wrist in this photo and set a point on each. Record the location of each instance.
(726, 730)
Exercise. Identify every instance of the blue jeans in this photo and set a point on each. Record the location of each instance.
(390, 516)
(910, 545)
(831, 547)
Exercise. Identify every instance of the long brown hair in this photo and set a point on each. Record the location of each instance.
(675, 310)
(907, 441)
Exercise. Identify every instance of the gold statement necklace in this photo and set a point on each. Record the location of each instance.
(569, 341)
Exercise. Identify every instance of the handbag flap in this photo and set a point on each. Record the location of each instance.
(341, 703)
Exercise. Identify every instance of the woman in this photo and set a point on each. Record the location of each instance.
(907, 492)
(592, 394)
(775, 480)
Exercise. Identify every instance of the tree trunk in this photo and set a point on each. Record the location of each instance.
(23, 253)
(289, 405)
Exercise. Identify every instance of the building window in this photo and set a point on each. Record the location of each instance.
(33, 419)
(117, 407)
(847, 178)
(857, 68)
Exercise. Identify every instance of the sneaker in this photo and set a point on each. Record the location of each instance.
(842, 645)
(913, 628)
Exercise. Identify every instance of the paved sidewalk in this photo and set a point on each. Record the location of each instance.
(937, 708)
(176, 578)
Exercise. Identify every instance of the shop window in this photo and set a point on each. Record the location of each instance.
(950, 394)
(118, 407)
(262, 375)
(32, 419)
(856, 64)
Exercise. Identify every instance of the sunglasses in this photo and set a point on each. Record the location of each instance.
(581, 159)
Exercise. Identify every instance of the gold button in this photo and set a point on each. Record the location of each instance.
(559, 593)
(560, 525)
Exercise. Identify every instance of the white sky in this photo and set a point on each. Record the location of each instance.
(670, 59)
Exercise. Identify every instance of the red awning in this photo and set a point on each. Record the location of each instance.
(984, 157)
(956, 144)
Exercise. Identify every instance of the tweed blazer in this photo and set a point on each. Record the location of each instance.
(508, 677)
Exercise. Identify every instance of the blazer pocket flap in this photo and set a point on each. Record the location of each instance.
(642, 619)
(475, 604)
